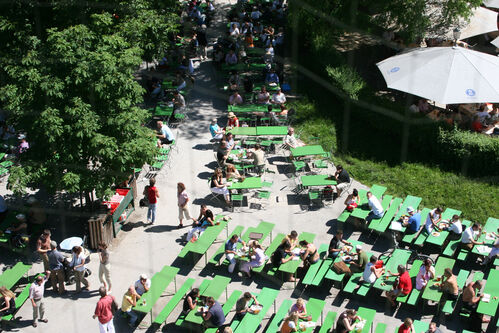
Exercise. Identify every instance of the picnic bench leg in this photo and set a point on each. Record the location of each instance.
(175, 282)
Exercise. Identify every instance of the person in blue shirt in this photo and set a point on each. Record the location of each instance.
(414, 222)
(230, 250)
(272, 77)
(216, 132)
(165, 136)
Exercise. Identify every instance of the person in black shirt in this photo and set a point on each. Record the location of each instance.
(343, 179)
(190, 301)
(336, 244)
(279, 257)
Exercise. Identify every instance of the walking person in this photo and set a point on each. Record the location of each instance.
(104, 267)
(104, 312)
(152, 197)
(43, 246)
(78, 264)
(183, 200)
(56, 265)
(36, 297)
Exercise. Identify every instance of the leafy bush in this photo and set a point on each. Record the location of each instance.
(347, 79)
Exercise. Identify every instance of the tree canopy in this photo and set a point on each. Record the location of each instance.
(67, 80)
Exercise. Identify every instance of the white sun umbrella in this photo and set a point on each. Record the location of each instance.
(495, 42)
(482, 20)
(447, 75)
(491, 3)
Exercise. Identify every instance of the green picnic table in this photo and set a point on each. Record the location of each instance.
(432, 292)
(440, 237)
(159, 282)
(309, 150)
(250, 321)
(10, 277)
(368, 316)
(271, 130)
(317, 180)
(245, 131)
(398, 257)
(163, 111)
(492, 288)
(258, 87)
(244, 108)
(246, 184)
(490, 226)
(363, 209)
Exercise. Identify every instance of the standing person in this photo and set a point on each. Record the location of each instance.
(129, 301)
(43, 246)
(256, 256)
(79, 268)
(9, 299)
(36, 297)
(103, 311)
(152, 196)
(183, 200)
(377, 210)
(202, 42)
(56, 260)
(230, 251)
(104, 266)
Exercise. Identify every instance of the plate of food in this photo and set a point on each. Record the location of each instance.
(203, 309)
(347, 248)
(346, 258)
(435, 233)
(255, 309)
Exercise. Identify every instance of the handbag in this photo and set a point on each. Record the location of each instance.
(341, 268)
(114, 306)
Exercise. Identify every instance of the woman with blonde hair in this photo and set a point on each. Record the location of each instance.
(9, 298)
(290, 323)
(217, 185)
(300, 309)
(182, 201)
(231, 172)
(257, 256)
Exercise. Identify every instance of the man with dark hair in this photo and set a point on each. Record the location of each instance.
(470, 236)
(152, 197)
(103, 311)
(230, 251)
(56, 260)
(342, 178)
(242, 305)
(337, 243)
(214, 317)
(402, 286)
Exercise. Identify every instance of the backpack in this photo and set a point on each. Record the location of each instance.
(341, 268)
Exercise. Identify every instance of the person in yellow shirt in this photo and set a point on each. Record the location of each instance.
(129, 301)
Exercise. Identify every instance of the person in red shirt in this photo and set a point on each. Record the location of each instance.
(152, 194)
(407, 326)
(103, 312)
(402, 286)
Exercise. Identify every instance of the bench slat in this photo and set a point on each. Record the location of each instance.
(281, 313)
(173, 302)
(328, 323)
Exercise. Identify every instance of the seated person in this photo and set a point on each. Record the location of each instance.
(470, 236)
(336, 244)
(455, 227)
(433, 219)
(413, 223)
(248, 40)
(230, 251)
(470, 299)
(9, 302)
(483, 113)
(401, 287)
(157, 90)
(360, 262)
(494, 253)
(242, 305)
(216, 132)
(202, 213)
(345, 321)
(231, 58)
(342, 178)
(352, 201)
(231, 144)
(190, 301)
(17, 231)
(371, 273)
(256, 256)
(217, 185)
(232, 120)
(423, 105)
(178, 100)
(449, 285)
(235, 82)
(311, 255)
(278, 97)
(231, 172)
(215, 316)
(300, 309)
(407, 326)
(263, 97)
(206, 221)
(425, 274)
(165, 135)
(180, 82)
(284, 111)
(258, 156)
(291, 141)
(272, 77)
(433, 328)
(290, 324)
(142, 285)
(129, 301)
(235, 98)
(281, 256)
(377, 210)
(477, 125)
(292, 238)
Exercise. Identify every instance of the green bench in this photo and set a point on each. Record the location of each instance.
(173, 302)
(431, 292)
(380, 225)
(385, 203)
(314, 309)
(450, 305)
(275, 324)
(453, 246)
(314, 268)
(250, 322)
(328, 323)
(443, 234)
(219, 253)
(368, 316)
(228, 305)
(355, 282)
(159, 282)
(20, 299)
(363, 210)
(381, 328)
(271, 249)
(398, 257)
(10, 277)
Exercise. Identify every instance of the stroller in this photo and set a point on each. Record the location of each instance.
(66, 246)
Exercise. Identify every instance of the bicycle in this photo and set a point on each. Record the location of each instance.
(415, 255)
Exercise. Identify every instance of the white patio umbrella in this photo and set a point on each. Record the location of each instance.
(448, 75)
(482, 21)
(495, 42)
(491, 3)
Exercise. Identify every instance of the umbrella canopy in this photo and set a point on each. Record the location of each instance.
(448, 75)
(495, 42)
(491, 3)
(68, 243)
(482, 20)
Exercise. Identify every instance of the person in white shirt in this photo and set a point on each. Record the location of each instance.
(371, 273)
(235, 99)
(493, 253)
(425, 274)
(455, 227)
(278, 97)
(291, 141)
(433, 219)
(142, 285)
(377, 210)
(468, 240)
(234, 30)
